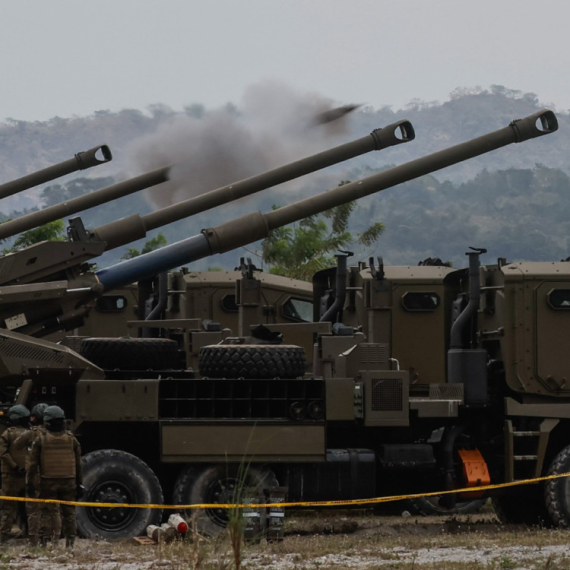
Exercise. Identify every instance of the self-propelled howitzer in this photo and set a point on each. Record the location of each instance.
(81, 161)
(322, 436)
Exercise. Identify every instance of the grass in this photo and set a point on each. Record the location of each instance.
(321, 540)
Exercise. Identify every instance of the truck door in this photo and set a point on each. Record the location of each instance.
(552, 314)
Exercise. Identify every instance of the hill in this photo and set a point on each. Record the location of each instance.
(515, 201)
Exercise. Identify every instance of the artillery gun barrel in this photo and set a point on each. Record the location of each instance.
(43, 260)
(131, 228)
(81, 161)
(255, 226)
(47, 215)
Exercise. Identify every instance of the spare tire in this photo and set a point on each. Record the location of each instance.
(127, 353)
(252, 361)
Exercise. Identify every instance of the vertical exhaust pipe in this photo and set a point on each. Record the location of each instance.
(468, 365)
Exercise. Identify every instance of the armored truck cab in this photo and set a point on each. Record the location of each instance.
(237, 300)
(212, 295)
(406, 309)
(525, 322)
(202, 307)
(480, 365)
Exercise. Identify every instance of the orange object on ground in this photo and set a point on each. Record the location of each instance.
(475, 471)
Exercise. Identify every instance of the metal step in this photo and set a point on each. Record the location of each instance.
(523, 465)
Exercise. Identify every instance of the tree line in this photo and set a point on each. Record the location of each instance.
(517, 213)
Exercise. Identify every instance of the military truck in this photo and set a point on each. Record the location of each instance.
(371, 416)
(461, 375)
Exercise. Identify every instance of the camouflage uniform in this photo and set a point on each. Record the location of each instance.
(56, 457)
(13, 482)
(33, 510)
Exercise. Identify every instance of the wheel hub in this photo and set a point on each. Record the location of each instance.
(111, 518)
(222, 492)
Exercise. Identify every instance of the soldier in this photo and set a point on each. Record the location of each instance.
(25, 441)
(56, 457)
(13, 467)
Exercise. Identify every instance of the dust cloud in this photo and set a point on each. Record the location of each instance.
(274, 125)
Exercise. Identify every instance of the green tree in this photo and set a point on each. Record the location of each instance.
(150, 245)
(301, 250)
(53, 231)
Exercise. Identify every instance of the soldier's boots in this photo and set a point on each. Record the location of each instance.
(69, 541)
(16, 531)
(34, 540)
(45, 540)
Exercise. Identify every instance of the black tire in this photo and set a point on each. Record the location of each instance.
(217, 484)
(113, 476)
(523, 505)
(252, 361)
(131, 353)
(431, 506)
(557, 491)
(182, 487)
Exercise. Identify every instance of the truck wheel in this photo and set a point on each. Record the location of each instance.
(252, 361)
(557, 491)
(182, 488)
(522, 506)
(431, 506)
(131, 353)
(113, 476)
(217, 484)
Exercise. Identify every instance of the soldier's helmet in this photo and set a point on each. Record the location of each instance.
(38, 411)
(18, 414)
(53, 413)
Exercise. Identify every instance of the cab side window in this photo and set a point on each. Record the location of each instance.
(229, 304)
(559, 299)
(298, 310)
(420, 301)
(111, 304)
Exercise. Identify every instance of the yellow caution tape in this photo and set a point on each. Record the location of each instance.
(340, 503)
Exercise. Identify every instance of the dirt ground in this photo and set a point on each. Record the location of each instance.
(319, 540)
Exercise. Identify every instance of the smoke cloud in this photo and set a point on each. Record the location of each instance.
(273, 126)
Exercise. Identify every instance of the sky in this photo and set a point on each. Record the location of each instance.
(72, 57)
